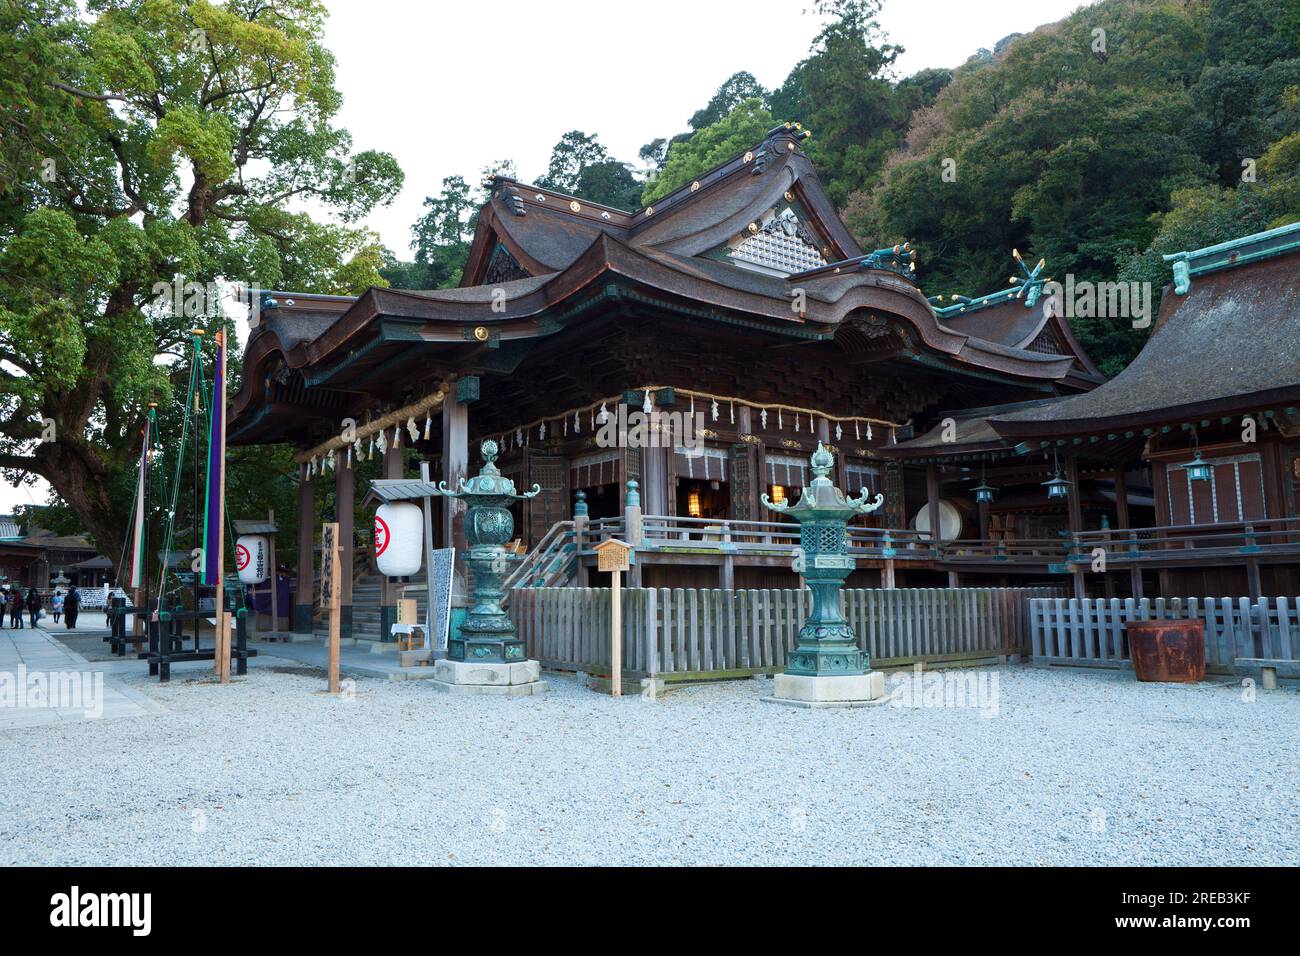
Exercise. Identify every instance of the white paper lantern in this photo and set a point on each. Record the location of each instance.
(252, 558)
(399, 539)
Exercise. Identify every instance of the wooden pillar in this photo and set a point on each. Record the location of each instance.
(1253, 579)
(1135, 582)
(455, 466)
(1075, 504)
(932, 499)
(654, 486)
(1121, 499)
(344, 502)
(305, 597)
(390, 592)
(887, 577)
(983, 507)
(1075, 501)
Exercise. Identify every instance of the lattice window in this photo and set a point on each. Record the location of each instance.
(822, 539)
(783, 244)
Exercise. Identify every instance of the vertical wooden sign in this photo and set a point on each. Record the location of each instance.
(329, 596)
(613, 556)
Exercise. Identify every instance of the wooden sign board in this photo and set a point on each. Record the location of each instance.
(442, 568)
(613, 555)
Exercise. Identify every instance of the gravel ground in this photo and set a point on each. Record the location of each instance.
(1077, 767)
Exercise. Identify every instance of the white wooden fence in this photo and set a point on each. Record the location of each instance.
(685, 633)
(1091, 632)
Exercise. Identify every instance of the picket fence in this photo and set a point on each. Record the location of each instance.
(1091, 632)
(689, 633)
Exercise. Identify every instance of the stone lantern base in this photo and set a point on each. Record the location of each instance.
(840, 690)
(514, 679)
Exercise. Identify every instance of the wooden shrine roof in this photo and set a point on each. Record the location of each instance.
(541, 262)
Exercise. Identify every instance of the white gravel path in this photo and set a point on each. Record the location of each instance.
(1078, 767)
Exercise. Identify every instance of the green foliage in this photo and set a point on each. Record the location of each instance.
(843, 94)
(735, 90)
(571, 155)
(1073, 153)
(736, 132)
(142, 145)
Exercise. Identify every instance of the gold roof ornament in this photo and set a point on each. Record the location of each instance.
(575, 206)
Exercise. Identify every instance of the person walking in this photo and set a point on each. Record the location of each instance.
(71, 605)
(33, 606)
(56, 605)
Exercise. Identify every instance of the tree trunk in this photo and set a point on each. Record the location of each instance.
(82, 483)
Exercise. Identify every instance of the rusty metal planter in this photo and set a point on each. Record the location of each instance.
(1172, 651)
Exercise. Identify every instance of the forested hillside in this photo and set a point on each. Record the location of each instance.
(1129, 129)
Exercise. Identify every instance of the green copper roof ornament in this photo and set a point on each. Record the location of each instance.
(827, 645)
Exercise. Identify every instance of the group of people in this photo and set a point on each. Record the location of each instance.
(13, 603)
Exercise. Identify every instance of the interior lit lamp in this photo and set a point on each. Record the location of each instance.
(984, 492)
(1057, 487)
(693, 504)
(777, 494)
(1198, 469)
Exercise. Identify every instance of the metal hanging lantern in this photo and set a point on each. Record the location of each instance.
(1198, 469)
(1057, 487)
(984, 492)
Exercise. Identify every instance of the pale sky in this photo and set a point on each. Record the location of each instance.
(449, 88)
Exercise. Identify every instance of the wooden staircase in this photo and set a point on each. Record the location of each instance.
(552, 564)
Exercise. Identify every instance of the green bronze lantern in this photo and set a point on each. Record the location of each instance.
(487, 636)
(827, 646)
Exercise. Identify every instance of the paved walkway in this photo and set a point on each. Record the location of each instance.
(43, 682)
(354, 661)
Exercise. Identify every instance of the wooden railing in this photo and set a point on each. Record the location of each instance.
(670, 533)
(546, 562)
(1091, 632)
(688, 633)
(1264, 536)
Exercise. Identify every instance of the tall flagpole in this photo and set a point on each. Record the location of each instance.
(214, 536)
(223, 661)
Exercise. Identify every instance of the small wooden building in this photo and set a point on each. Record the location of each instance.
(1185, 467)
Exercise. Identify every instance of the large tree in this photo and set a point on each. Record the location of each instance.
(147, 143)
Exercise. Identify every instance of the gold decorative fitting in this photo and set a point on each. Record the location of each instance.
(481, 333)
(575, 206)
(789, 196)
(753, 227)
(798, 125)
(649, 210)
(789, 147)
(695, 186)
(749, 157)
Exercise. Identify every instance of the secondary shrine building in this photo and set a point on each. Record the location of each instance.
(741, 312)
